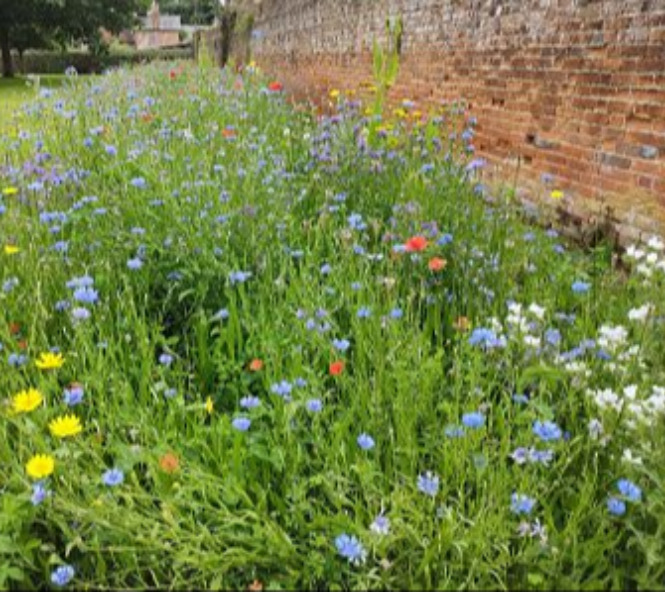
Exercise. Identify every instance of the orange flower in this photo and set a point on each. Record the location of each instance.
(462, 324)
(147, 117)
(275, 86)
(23, 344)
(416, 244)
(336, 368)
(228, 133)
(14, 328)
(437, 264)
(169, 463)
(255, 365)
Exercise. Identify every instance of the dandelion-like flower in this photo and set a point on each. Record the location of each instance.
(26, 401)
(65, 426)
(40, 466)
(50, 361)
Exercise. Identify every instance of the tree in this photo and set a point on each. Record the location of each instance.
(64, 21)
(192, 12)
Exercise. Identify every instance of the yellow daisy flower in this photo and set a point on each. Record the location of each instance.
(40, 466)
(209, 405)
(11, 249)
(9, 191)
(556, 194)
(334, 93)
(65, 426)
(26, 401)
(49, 361)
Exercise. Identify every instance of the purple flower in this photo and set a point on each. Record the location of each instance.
(381, 525)
(113, 477)
(62, 575)
(250, 402)
(241, 423)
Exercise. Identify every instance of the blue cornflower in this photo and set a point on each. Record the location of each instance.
(239, 276)
(10, 284)
(113, 477)
(300, 382)
(616, 506)
(544, 457)
(520, 399)
(39, 493)
(134, 263)
(314, 405)
(396, 313)
(282, 388)
(81, 314)
(16, 360)
(473, 420)
(381, 525)
(365, 441)
(86, 295)
(221, 315)
(364, 312)
(521, 504)
(241, 423)
(453, 431)
(165, 359)
(326, 268)
(356, 222)
(547, 430)
(61, 246)
(341, 344)
(80, 282)
(629, 490)
(553, 337)
(250, 402)
(73, 395)
(428, 483)
(139, 182)
(486, 338)
(62, 575)
(580, 287)
(350, 548)
(355, 286)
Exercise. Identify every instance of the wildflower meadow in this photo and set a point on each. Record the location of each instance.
(249, 345)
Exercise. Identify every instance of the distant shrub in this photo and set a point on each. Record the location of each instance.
(56, 62)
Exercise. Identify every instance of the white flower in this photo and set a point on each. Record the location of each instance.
(656, 243)
(607, 398)
(537, 311)
(630, 391)
(531, 341)
(611, 337)
(632, 252)
(639, 314)
(629, 458)
(644, 270)
(652, 258)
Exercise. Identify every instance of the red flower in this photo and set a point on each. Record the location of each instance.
(437, 264)
(275, 86)
(416, 244)
(228, 133)
(336, 368)
(255, 365)
(23, 344)
(14, 328)
(172, 74)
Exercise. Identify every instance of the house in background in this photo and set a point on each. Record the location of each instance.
(160, 30)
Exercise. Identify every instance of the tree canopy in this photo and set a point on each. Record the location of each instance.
(35, 23)
(192, 12)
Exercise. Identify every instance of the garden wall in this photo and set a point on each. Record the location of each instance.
(571, 88)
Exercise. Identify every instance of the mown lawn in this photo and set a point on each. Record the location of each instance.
(17, 90)
(247, 344)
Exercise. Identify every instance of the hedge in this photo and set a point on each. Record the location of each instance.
(56, 62)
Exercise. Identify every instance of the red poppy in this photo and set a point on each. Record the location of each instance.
(255, 365)
(169, 463)
(228, 133)
(436, 264)
(275, 86)
(172, 74)
(336, 368)
(14, 328)
(416, 244)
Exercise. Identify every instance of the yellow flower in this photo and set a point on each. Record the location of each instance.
(556, 194)
(49, 361)
(9, 191)
(65, 426)
(209, 405)
(334, 93)
(26, 401)
(40, 466)
(11, 249)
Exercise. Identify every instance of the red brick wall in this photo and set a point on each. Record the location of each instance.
(573, 88)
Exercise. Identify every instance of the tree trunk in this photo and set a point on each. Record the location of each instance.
(7, 69)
